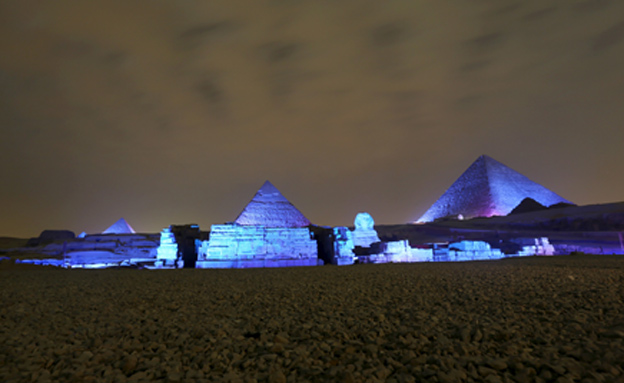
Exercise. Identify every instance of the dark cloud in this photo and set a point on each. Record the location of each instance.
(278, 51)
(405, 108)
(486, 41)
(284, 72)
(199, 31)
(540, 13)
(387, 34)
(197, 35)
(609, 37)
(116, 58)
(474, 66)
(211, 91)
(69, 47)
(592, 5)
(469, 101)
(504, 10)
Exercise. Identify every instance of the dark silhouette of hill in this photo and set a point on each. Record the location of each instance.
(528, 205)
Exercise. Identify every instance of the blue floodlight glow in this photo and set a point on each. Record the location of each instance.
(488, 188)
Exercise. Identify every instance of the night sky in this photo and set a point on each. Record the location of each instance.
(168, 112)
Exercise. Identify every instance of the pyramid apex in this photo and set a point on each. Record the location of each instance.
(270, 208)
(120, 227)
(267, 187)
(489, 162)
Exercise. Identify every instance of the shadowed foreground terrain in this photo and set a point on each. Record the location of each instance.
(533, 319)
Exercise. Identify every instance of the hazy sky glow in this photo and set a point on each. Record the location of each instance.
(177, 112)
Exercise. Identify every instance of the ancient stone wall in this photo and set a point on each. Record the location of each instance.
(238, 243)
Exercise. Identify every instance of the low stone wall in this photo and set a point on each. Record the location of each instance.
(473, 251)
(246, 264)
(233, 242)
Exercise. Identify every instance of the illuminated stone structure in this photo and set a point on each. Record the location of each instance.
(237, 246)
(488, 188)
(421, 255)
(364, 234)
(535, 246)
(108, 250)
(271, 209)
(269, 232)
(167, 253)
(395, 252)
(343, 246)
(371, 248)
(472, 251)
(120, 227)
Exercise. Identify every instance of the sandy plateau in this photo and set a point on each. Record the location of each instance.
(543, 319)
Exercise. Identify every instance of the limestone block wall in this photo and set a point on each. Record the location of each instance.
(94, 259)
(343, 246)
(421, 255)
(201, 248)
(365, 238)
(77, 245)
(287, 243)
(132, 245)
(473, 251)
(233, 242)
(237, 242)
(167, 252)
(399, 251)
(536, 246)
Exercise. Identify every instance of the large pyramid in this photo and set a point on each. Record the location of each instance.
(271, 209)
(120, 227)
(488, 188)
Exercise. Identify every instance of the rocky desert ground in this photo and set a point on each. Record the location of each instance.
(537, 319)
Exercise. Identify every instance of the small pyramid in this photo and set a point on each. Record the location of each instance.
(488, 188)
(271, 209)
(528, 205)
(119, 227)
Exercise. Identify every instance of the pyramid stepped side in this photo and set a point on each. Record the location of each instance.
(509, 188)
(469, 195)
(271, 209)
(488, 188)
(120, 227)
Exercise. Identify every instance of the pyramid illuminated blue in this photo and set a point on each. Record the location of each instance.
(270, 208)
(120, 227)
(488, 188)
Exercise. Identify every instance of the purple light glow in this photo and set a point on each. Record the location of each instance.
(488, 188)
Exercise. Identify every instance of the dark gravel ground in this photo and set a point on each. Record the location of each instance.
(551, 319)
